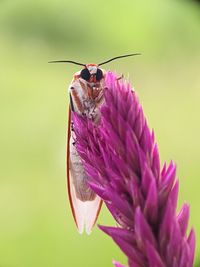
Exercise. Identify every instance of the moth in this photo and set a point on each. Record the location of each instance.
(86, 97)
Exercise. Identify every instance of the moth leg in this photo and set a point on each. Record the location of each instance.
(90, 91)
(83, 86)
(120, 77)
(75, 101)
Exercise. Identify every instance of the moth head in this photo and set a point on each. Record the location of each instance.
(91, 73)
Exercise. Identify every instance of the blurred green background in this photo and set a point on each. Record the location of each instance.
(36, 226)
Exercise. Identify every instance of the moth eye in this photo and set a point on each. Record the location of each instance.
(85, 74)
(99, 75)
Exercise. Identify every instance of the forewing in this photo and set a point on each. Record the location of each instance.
(85, 212)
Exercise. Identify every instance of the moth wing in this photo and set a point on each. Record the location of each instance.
(85, 213)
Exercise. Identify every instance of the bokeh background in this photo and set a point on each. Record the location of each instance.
(36, 226)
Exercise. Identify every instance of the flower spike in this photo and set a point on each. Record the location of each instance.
(122, 160)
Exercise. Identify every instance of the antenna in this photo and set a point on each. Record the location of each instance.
(114, 58)
(67, 61)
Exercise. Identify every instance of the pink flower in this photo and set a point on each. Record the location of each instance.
(122, 160)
